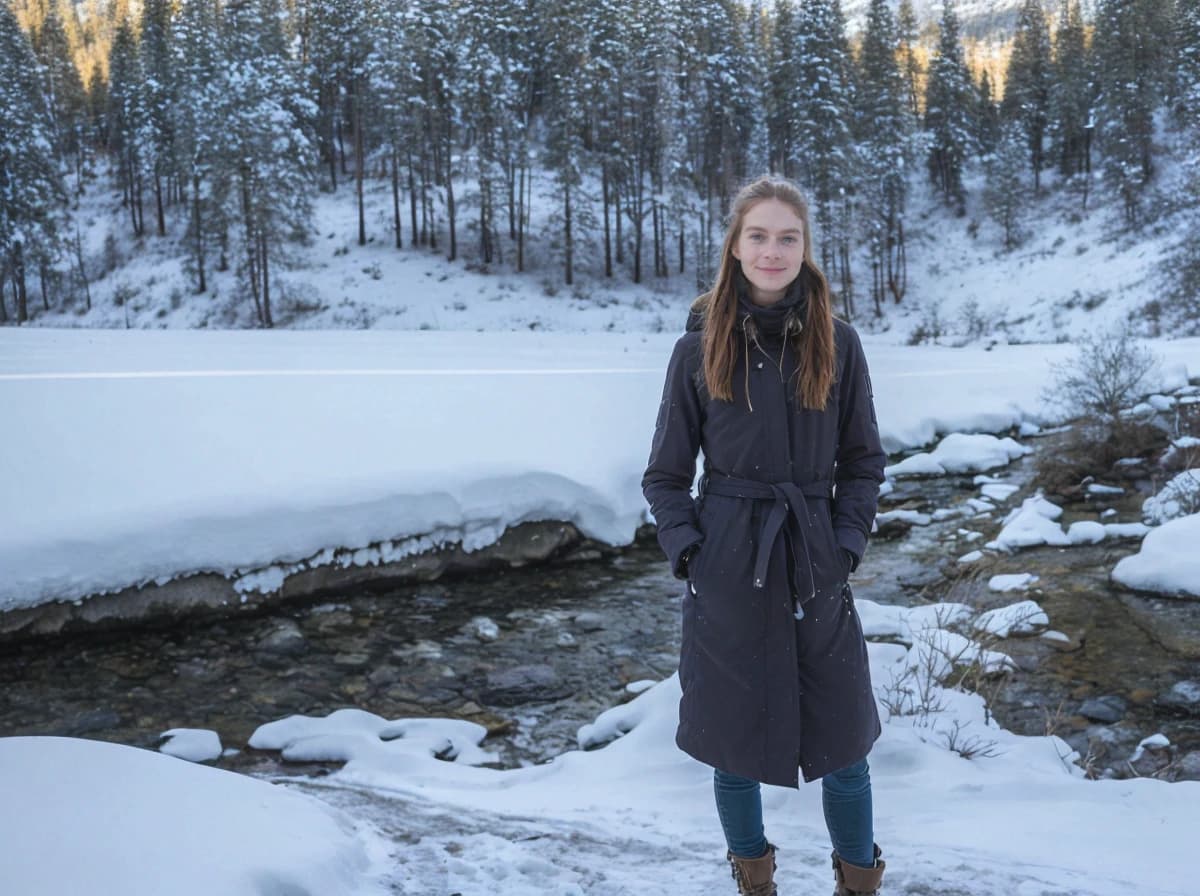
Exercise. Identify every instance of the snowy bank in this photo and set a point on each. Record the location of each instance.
(149, 456)
(83, 816)
(961, 805)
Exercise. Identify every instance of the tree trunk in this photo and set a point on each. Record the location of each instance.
(604, 188)
(264, 261)
(359, 161)
(18, 275)
(567, 236)
(198, 236)
(332, 106)
(87, 289)
(453, 254)
(251, 240)
(617, 215)
(158, 204)
(521, 220)
(412, 197)
(396, 195)
(512, 200)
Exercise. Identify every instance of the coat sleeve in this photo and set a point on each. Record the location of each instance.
(860, 457)
(667, 483)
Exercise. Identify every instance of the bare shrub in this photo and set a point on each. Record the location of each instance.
(1111, 371)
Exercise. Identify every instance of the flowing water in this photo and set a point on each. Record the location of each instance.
(534, 653)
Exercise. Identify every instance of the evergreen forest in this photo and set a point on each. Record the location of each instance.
(623, 127)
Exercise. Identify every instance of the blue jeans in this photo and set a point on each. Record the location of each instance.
(845, 797)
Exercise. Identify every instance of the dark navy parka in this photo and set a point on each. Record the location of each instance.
(773, 665)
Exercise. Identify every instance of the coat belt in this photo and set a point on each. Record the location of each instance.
(789, 504)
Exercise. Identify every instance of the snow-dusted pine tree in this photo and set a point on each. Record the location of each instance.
(886, 148)
(198, 126)
(31, 192)
(124, 120)
(1183, 270)
(823, 112)
(948, 106)
(63, 90)
(268, 154)
(1027, 83)
(1071, 93)
(1004, 193)
(1132, 52)
(158, 99)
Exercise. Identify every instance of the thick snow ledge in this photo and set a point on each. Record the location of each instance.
(141, 457)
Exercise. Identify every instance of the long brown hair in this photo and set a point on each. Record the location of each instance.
(814, 345)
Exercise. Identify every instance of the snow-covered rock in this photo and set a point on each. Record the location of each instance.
(1011, 581)
(1031, 524)
(961, 453)
(192, 744)
(1025, 617)
(1168, 561)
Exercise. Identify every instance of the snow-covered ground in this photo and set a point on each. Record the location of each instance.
(144, 456)
(107, 820)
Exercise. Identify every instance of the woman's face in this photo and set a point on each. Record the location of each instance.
(770, 248)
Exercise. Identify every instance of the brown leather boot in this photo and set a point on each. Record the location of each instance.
(755, 877)
(855, 881)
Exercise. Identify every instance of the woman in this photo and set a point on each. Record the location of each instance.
(773, 665)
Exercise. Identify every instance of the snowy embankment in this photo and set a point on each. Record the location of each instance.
(88, 817)
(962, 806)
(146, 456)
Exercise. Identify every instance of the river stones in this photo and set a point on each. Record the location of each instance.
(1188, 767)
(588, 621)
(283, 639)
(533, 683)
(1183, 695)
(1107, 709)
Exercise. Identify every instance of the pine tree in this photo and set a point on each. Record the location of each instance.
(269, 157)
(886, 147)
(782, 77)
(338, 37)
(124, 120)
(1004, 191)
(1070, 93)
(1027, 82)
(497, 54)
(910, 63)
(758, 61)
(197, 124)
(390, 68)
(822, 115)
(433, 26)
(157, 100)
(31, 192)
(64, 93)
(987, 116)
(1183, 269)
(1133, 40)
(567, 116)
(948, 104)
